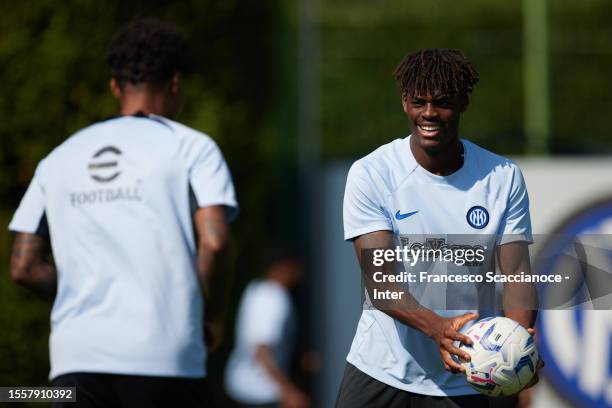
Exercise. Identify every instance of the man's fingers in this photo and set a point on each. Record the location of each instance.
(533, 381)
(455, 335)
(458, 352)
(453, 366)
(535, 378)
(463, 319)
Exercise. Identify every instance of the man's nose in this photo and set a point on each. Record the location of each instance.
(429, 111)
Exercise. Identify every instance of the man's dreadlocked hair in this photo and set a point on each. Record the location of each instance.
(148, 50)
(436, 71)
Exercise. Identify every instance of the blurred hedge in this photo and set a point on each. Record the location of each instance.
(363, 41)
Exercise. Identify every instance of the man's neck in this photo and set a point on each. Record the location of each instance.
(133, 104)
(278, 278)
(146, 99)
(440, 163)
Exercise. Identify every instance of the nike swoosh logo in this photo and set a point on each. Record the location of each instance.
(401, 216)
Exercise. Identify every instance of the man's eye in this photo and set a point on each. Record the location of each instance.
(416, 102)
(443, 103)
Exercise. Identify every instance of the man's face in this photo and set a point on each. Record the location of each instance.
(434, 120)
(291, 270)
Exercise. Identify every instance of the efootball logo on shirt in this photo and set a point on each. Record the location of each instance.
(104, 165)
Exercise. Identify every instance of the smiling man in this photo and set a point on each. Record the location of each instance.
(430, 183)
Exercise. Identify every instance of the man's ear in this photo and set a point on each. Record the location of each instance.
(115, 88)
(405, 103)
(175, 83)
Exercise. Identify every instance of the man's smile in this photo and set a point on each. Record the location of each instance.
(429, 130)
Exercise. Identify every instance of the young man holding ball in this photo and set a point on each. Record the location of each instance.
(431, 182)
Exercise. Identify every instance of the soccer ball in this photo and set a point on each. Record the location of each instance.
(503, 356)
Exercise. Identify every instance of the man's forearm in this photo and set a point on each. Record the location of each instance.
(29, 266)
(212, 267)
(519, 299)
(420, 319)
(407, 309)
(214, 280)
(264, 356)
(518, 303)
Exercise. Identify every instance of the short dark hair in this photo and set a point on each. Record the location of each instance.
(436, 70)
(148, 50)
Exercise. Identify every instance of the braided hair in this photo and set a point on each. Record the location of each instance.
(148, 51)
(436, 71)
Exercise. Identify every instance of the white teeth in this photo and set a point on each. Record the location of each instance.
(429, 128)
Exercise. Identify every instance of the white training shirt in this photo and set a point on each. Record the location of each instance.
(264, 318)
(116, 196)
(388, 181)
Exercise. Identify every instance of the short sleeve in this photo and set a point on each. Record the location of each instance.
(211, 181)
(268, 311)
(516, 224)
(363, 209)
(31, 211)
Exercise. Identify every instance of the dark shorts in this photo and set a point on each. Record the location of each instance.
(359, 390)
(240, 405)
(110, 390)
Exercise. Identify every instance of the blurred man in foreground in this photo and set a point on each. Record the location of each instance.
(257, 371)
(135, 288)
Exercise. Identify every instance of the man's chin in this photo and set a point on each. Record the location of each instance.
(430, 145)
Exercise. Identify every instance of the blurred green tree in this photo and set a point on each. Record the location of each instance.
(363, 41)
(55, 81)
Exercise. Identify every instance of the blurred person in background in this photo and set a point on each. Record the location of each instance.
(431, 182)
(135, 209)
(257, 373)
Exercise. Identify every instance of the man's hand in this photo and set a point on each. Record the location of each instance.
(292, 397)
(526, 394)
(445, 331)
(213, 272)
(539, 365)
